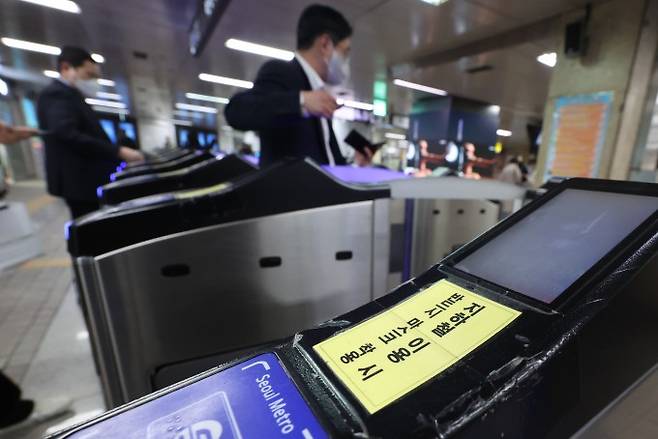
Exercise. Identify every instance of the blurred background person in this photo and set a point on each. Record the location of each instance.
(79, 155)
(512, 172)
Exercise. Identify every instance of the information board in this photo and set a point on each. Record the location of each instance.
(578, 135)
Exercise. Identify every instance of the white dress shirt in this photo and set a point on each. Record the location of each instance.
(317, 84)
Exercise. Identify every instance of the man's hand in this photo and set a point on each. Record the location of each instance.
(9, 134)
(319, 103)
(362, 160)
(129, 155)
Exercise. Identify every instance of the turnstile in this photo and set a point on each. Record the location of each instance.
(530, 330)
(166, 156)
(431, 217)
(167, 166)
(207, 173)
(179, 276)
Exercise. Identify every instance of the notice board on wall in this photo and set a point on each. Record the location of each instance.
(578, 134)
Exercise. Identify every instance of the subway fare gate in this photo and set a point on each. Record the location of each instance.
(167, 278)
(530, 330)
(210, 172)
(166, 166)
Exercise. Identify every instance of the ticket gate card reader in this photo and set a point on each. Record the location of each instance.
(157, 159)
(162, 157)
(179, 163)
(173, 279)
(466, 350)
(208, 173)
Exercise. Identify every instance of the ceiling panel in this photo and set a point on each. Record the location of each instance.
(385, 31)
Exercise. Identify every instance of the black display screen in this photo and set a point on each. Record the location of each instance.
(543, 254)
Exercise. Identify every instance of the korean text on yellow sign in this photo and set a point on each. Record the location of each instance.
(394, 352)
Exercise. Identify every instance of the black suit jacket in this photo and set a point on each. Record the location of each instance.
(79, 155)
(272, 109)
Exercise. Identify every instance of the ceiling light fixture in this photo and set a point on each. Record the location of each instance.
(434, 2)
(395, 136)
(206, 98)
(199, 108)
(183, 113)
(259, 49)
(100, 59)
(103, 103)
(548, 59)
(105, 95)
(186, 123)
(32, 47)
(51, 74)
(226, 81)
(504, 133)
(106, 82)
(62, 5)
(419, 87)
(355, 104)
(110, 110)
(4, 88)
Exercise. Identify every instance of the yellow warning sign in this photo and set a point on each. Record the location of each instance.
(394, 352)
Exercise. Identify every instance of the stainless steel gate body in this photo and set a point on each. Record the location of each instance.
(225, 287)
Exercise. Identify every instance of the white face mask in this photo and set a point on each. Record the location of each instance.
(338, 69)
(88, 87)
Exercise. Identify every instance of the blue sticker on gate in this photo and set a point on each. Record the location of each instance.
(254, 399)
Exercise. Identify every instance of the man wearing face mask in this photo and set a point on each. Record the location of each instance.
(289, 105)
(79, 155)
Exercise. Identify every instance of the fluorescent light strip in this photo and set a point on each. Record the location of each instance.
(4, 88)
(190, 107)
(32, 47)
(395, 136)
(187, 123)
(355, 104)
(548, 59)
(504, 133)
(110, 110)
(103, 103)
(434, 2)
(259, 49)
(51, 74)
(226, 81)
(419, 87)
(206, 98)
(42, 48)
(62, 5)
(183, 113)
(106, 82)
(105, 95)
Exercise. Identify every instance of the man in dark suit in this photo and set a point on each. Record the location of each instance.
(288, 105)
(79, 155)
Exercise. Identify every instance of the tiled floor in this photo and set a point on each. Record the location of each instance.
(44, 344)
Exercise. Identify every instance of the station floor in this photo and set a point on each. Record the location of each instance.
(44, 344)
